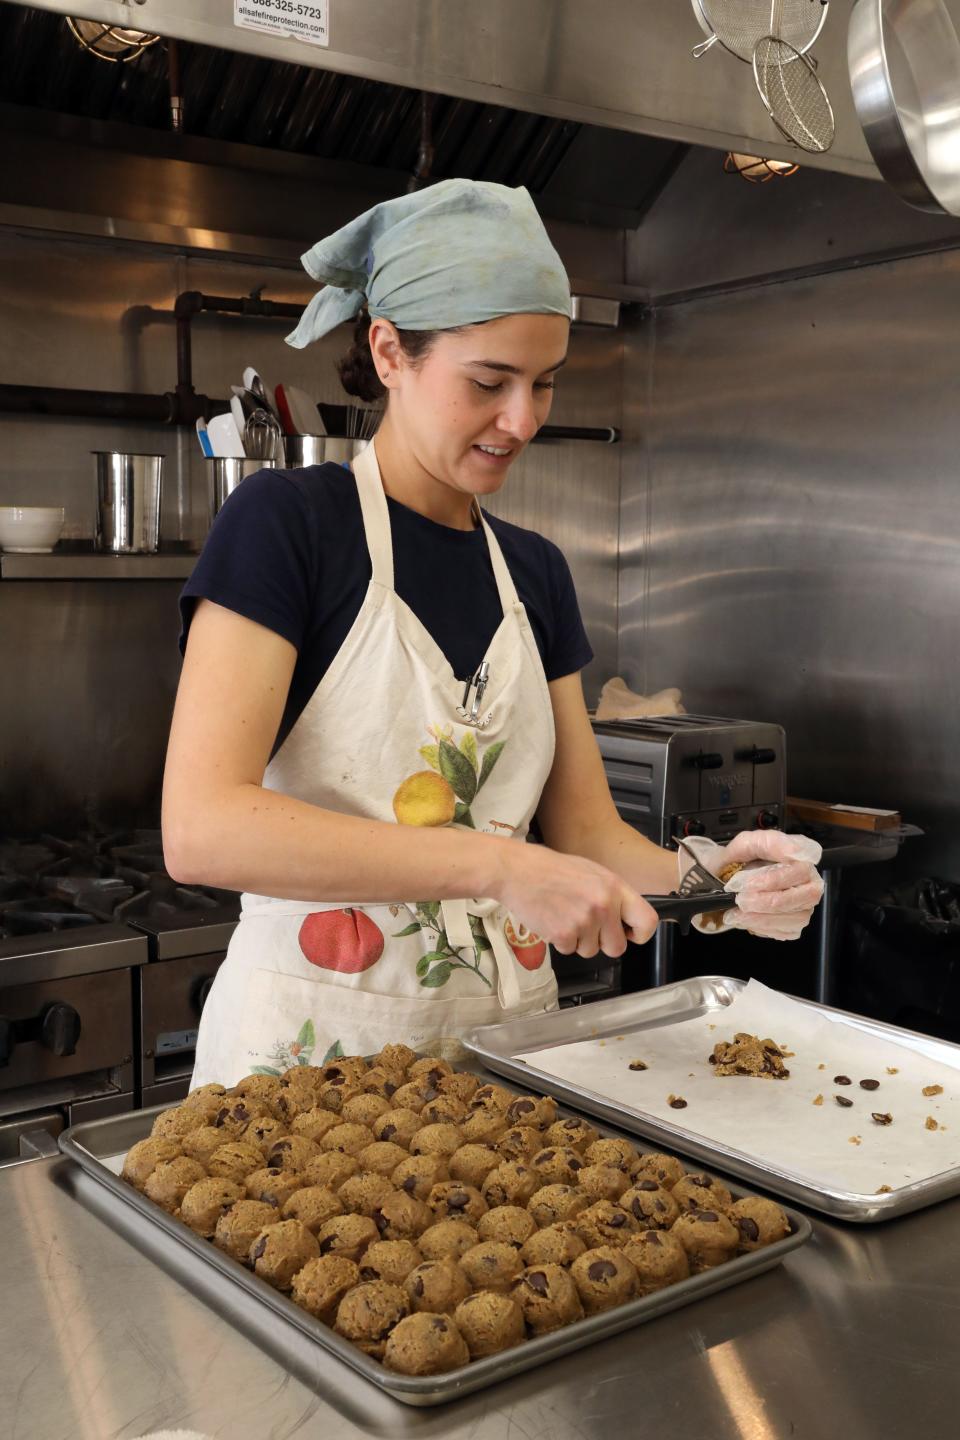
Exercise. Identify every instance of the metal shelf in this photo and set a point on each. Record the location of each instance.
(86, 566)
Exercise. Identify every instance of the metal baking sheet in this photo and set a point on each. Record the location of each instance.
(497, 1046)
(282, 1327)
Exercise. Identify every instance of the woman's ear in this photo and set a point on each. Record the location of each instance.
(386, 350)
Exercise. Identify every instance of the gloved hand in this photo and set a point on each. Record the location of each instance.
(777, 889)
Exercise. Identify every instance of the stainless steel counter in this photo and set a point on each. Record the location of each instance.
(855, 1337)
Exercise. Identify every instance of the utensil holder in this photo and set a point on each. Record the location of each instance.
(225, 474)
(302, 450)
(129, 493)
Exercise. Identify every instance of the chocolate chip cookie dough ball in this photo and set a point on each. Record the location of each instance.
(347, 1235)
(237, 1114)
(321, 1285)
(520, 1142)
(760, 1222)
(604, 1277)
(510, 1223)
(658, 1258)
(313, 1206)
(418, 1174)
(205, 1106)
(292, 1152)
(240, 1226)
(413, 1095)
(365, 1192)
(548, 1298)
(170, 1181)
(347, 1139)
(280, 1250)
(235, 1160)
(306, 1076)
(512, 1183)
(492, 1097)
(483, 1127)
(460, 1084)
(445, 1109)
(536, 1112)
(604, 1223)
(472, 1164)
(258, 1087)
(273, 1185)
(396, 1057)
(573, 1132)
(402, 1217)
(603, 1182)
(368, 1313)
(437, 1286)
(204, 1094)
(201, 1144)
(383, 1081)
(708, 1237)
(556, 1245)
(701, 1192)
(334, 1094)
(332, 1169)
(174, 1124)
(448, 1240)
(430, 1069)
(382, 1157)
(365, 1109)
(312, 1124)
(144, 1157)
(441, 1140)
(206, 1202)
(264, 1132)
(345, 1067)
(390, 1260)
(293, 1099)
(553, 1203)
(559, 1165)
(398, 1126)
(425, 1345)
(489, 1323)
(665, 1169)
(650, 1205)
(612, 1152)
(491, 1265)
(451, 1200)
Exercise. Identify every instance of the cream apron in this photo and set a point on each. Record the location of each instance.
(390, 735)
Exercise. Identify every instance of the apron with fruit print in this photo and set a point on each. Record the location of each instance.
(388, 735)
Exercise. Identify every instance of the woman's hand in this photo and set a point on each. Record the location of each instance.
(778, 887)
(579, 907)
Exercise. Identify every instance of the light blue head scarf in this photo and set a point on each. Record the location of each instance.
(458, 253)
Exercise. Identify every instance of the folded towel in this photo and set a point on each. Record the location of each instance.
(618, 702)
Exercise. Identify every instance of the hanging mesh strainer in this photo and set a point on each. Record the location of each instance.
(794, 97)
(739, 24)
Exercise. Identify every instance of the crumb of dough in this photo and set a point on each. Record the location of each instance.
(711, 1027)
(637, 1065)
(621, 1037)
(748, 1055)
(891, 1070)
(728, 871)
(821, 1066)
(881, 1118)
(929, 1090)
(788, 1054)
(602, 1043)
(676, 1102)
(884, 1190)
(818, 1100)
(930, 1123)
(855, 1140)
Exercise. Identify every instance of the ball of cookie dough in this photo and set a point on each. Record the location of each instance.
(396, 1057)
(445, 1109)
(430, 1068)
(650, 1205)
(460, 1084)
(144, 1157)
(556, 1245)
(205, 1093)
(520, 1142)
(240, 1226)
(237, 1114)
(313, 1206)
(334, 1094)
(235, 1160)
(573, 1131)
(364, 1109)
(452, 1200)
(665, 1169)
(559, 1165)
(437, 1286)
(293, 1099)
(604, 1223)
(489, 1322)
(491, 1265)
(347, 1235)
(418, 1174)
(273, 1185)
(553, 1203)
(612, 1151)
(603, 1182)
(390, 1260)
(292, 1152)
(402, 1217)
(368, 1313)
(441, 1140)
(258, 1087)
(381, 1080)
(700, 1192)
(332, 1169)
(344, 1067)
(548, 1298)
(425, 1345)
(536, 1112)
(397, 1125)
(264, 1132)
(365, 1192)
(413, 1095)
(312, 1124)
(511, 1183)
(321, 1285)
(447, 1240)
(472, 1164)
(200, 1144)
(491, 1097)
(348, 1139)
(510, 1223)
(708, 1237)
(382, 1157)
(658, 1258)
(205, 1107)
(280, 1250)
(483, 1127)
(206, 1202)
(174, 1124)
(760, 1222)
(303, 1075)
(604, 1277)
(170, 1181)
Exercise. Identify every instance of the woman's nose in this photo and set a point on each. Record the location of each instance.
(519, 417)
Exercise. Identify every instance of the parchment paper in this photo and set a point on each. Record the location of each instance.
(776, 1121)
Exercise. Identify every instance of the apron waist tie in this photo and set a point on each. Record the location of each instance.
(456, 922)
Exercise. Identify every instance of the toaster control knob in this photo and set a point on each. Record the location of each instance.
(694, 827)
(762, 756)
(768, 821)
(708, 760)
(60, 1028)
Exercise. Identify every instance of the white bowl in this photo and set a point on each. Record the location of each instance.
(30, 529)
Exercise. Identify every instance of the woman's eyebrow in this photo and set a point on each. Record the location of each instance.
(505, 369)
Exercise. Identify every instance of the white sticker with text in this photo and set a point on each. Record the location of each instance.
(294, 19)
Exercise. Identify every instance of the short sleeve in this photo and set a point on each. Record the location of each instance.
(569, 649)
(258, 558)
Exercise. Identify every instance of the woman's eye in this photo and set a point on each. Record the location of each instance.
(544, 385)
(488, 389)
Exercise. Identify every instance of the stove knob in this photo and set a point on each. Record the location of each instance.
(694, 827)
(8, 1039)
(60, 1028)
(768, 821)
(200, 992)
(709, 760)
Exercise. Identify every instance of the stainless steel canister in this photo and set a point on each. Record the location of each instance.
(129, 491)
(301, 450)
(225, 474)
(343, 450)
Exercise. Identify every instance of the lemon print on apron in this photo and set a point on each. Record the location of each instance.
(446, 791)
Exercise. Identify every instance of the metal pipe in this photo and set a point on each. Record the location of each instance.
(92, 404)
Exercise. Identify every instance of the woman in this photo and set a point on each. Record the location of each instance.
(381, 686)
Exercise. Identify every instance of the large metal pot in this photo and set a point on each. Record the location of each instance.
(904, 58)
(225, 474)
(129, 492)
(302, 450)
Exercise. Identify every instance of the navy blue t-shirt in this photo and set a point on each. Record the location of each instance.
(288, 550)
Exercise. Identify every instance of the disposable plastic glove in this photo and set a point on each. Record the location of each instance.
(777, 890)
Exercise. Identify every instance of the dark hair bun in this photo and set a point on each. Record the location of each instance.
(358, 374)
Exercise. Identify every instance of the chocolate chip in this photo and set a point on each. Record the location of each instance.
(544, 1157)
(389, 1088)
(703, 1181)
(710, 1216)
(637, 1065)
(842, 1080)
(429, 1094)
(327, 1244)
(438, 1324)
(601, 1270)
(677, 1103)
(458, 1200)
(659, 1205)
(388, 1132)
(842, 1100)
(711, 1059)
(367, 1272)
(748, 1228)
(418, 1285)
(647, 1185)
(538, 1282)
(410, 1184)
(380, 1220)
(869, 1084)
(617, 1222)
(259, 1248)
(652, 1238)
(573, 1124)
(879, 1119)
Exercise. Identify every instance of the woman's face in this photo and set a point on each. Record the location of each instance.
(473, 404)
